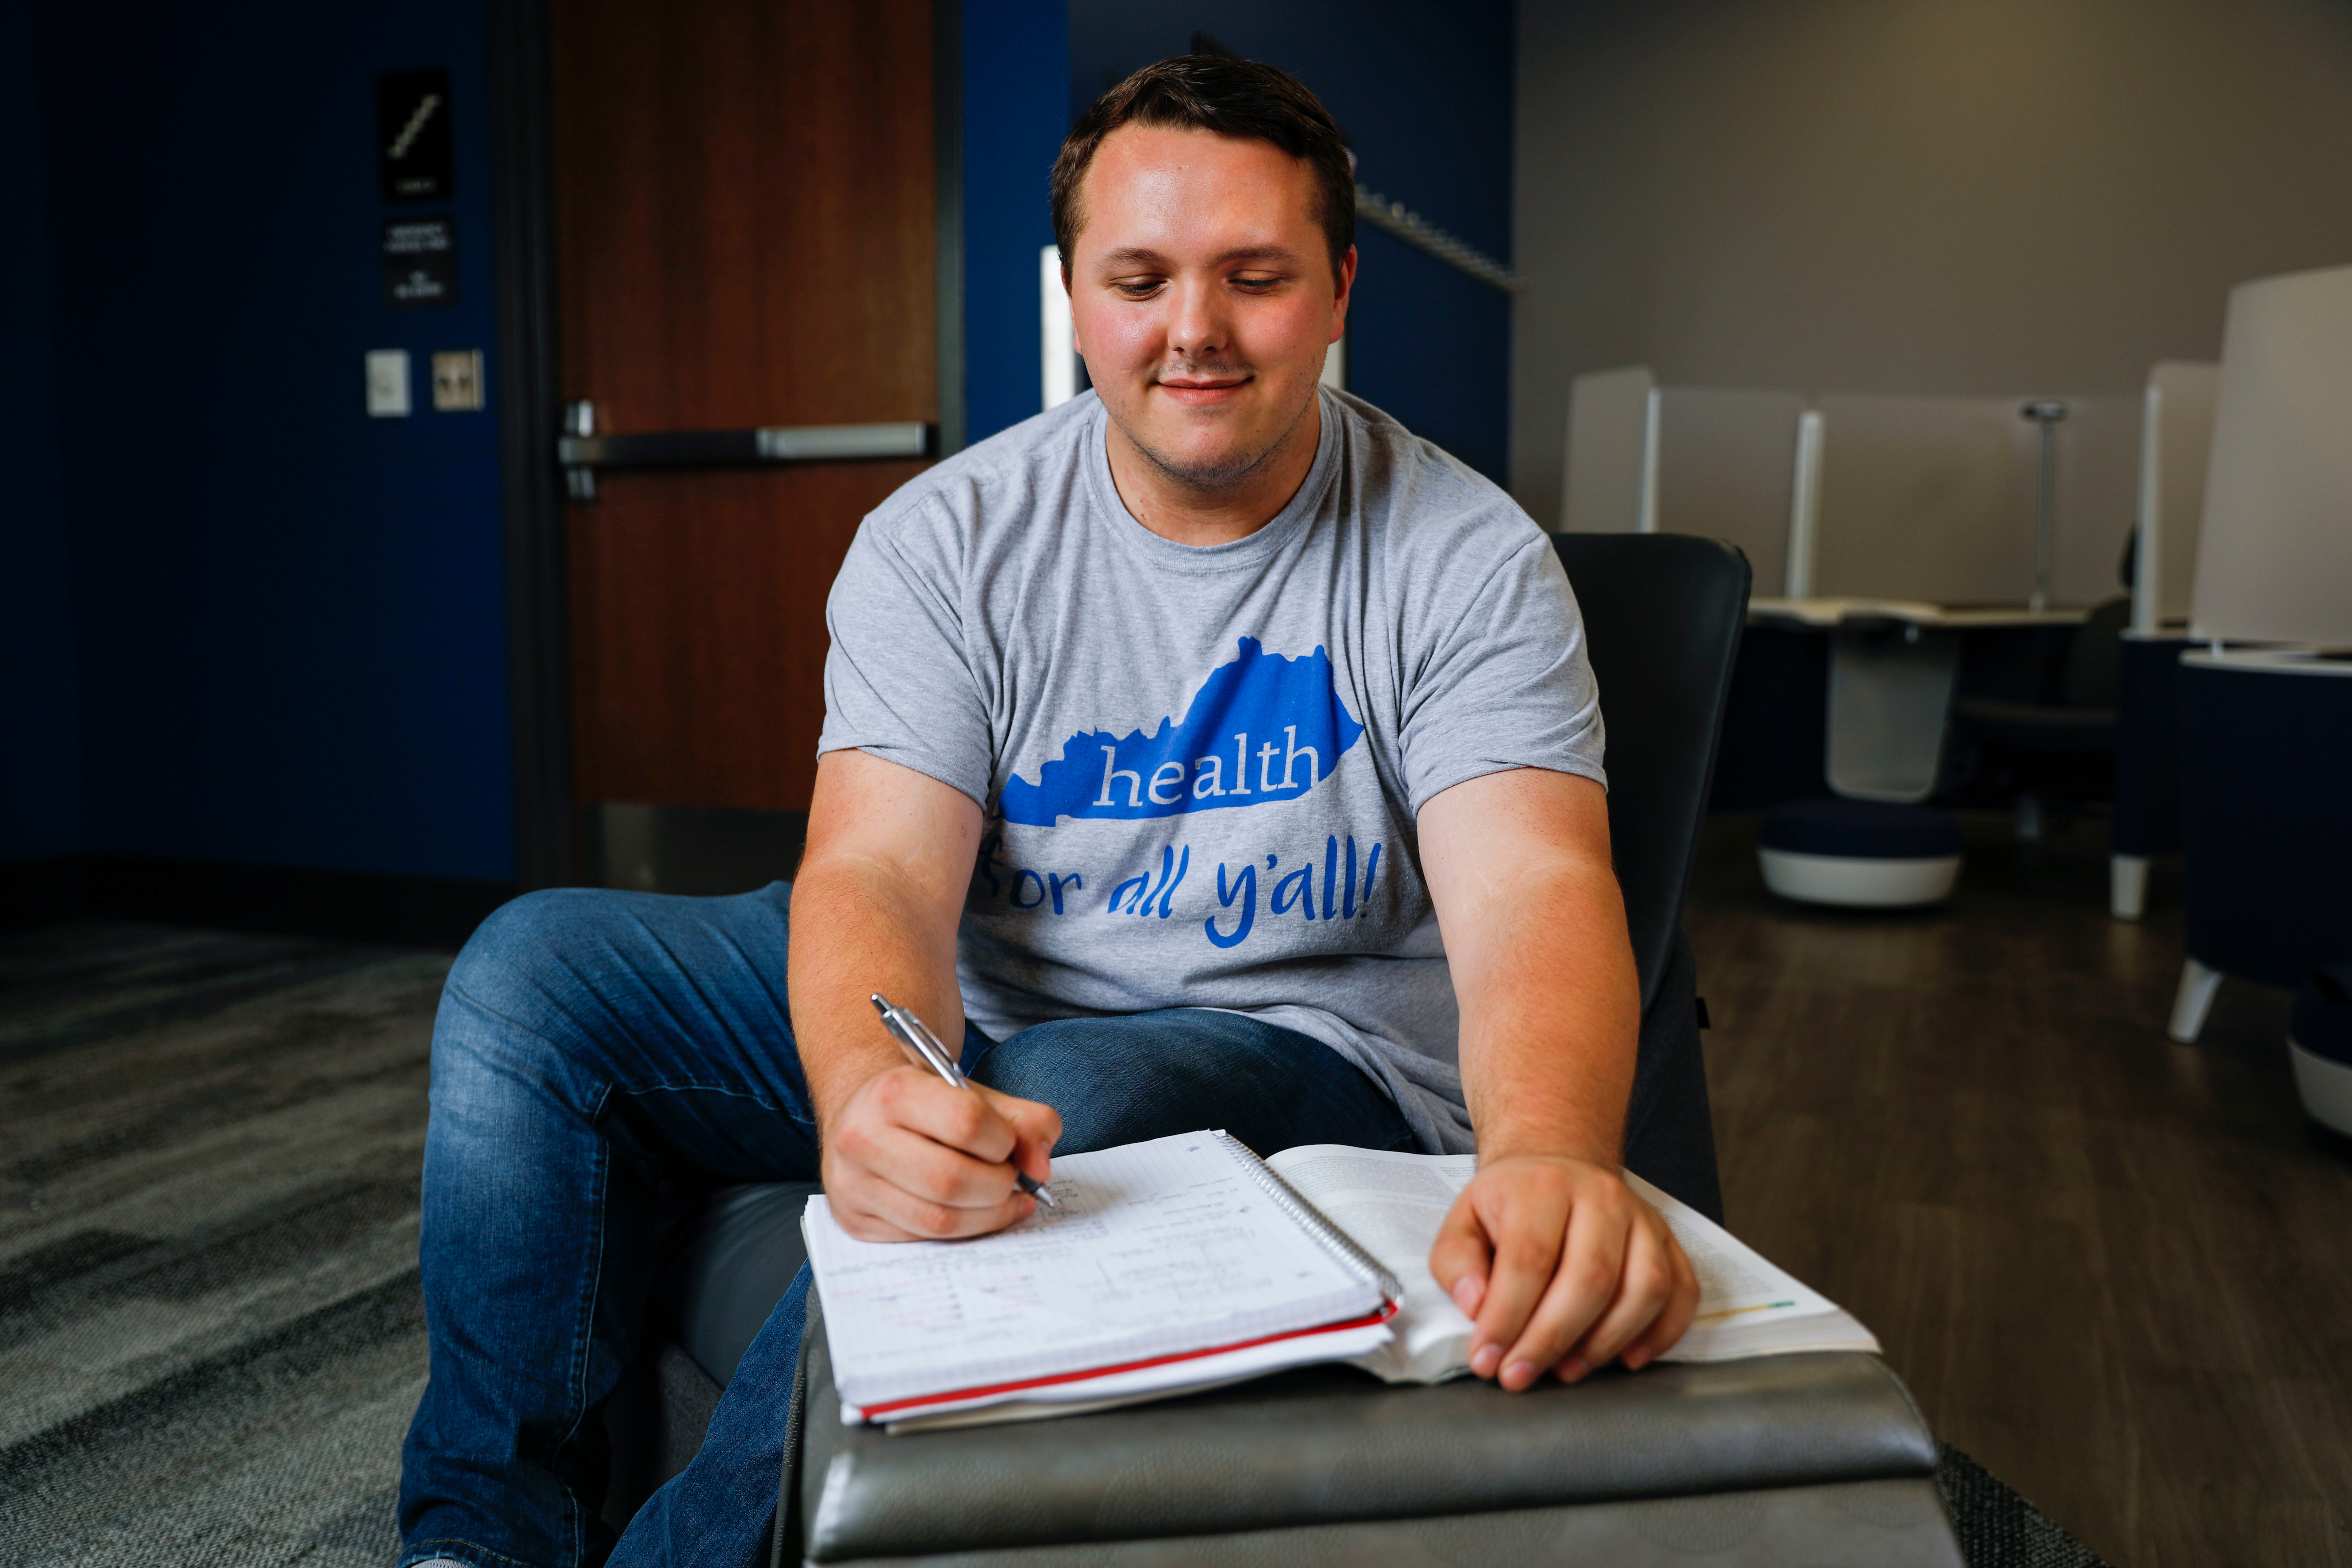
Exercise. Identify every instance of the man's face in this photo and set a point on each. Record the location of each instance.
(1203, 297)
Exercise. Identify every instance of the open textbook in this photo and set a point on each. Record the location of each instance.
(1184, 1263)
(1391, 1205)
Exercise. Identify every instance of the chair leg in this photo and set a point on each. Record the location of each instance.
(2194, 1000)
(2126, 886)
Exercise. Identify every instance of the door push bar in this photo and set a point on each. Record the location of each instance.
(580, 451)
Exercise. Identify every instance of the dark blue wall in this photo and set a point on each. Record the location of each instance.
(1016, 65)
(288, 618)
(40, 749)
(254, 625)
(1424, 91)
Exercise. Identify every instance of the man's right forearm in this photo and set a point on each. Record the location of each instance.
(854, 933)
(874, 907)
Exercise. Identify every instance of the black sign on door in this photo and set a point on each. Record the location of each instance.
(420, 261)
(412, 145)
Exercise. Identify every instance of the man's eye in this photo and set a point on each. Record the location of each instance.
(1138, 291)
(1259, 284)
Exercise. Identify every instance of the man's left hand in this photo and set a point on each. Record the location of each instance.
(1563, 1269)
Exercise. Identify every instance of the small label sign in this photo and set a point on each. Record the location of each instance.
(420, 261)
(412, 145)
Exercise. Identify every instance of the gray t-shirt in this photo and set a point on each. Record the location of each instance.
(1200, 766)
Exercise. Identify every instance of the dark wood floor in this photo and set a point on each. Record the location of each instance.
(2115, 1270)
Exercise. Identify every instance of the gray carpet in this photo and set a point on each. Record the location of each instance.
(210, 1334)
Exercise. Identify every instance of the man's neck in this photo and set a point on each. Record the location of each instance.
(1190, 514)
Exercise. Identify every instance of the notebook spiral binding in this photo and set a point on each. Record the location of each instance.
(1318, 1224)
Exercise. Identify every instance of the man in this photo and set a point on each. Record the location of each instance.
(1207, 751)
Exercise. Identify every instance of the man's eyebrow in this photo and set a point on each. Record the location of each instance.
(1128, 256)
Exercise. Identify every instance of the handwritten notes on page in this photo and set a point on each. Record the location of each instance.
(1161, 1248)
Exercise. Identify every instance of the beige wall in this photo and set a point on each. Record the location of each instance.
(1966, 196)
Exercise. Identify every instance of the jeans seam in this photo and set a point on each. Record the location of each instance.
(658, 1084)
(583, 1330)
(664, 1086)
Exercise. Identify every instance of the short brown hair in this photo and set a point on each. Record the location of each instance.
(1232, 98)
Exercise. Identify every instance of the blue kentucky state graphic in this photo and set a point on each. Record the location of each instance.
(1264, 727)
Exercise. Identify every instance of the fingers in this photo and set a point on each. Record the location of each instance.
(1563, 1269)
(1682, 1307)
(957, 1118)
(888, 1184)
(1459, 1258)
(891, 1213)
(1526, 1214)
(912, 1157)
(1583, 1279)
(1644, 1288)
(1036, 1129)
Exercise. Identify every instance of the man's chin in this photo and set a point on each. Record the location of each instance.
(1212, 458)
(1218, 468)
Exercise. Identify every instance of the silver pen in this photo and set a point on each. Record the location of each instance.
(924, 1049)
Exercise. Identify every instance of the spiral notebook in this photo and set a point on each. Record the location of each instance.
(1174, 1264)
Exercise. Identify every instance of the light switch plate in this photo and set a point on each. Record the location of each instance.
(457, 380)
(387, 384)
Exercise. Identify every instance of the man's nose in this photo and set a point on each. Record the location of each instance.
(1198, 327)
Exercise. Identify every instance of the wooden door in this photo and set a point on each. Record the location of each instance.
(747, 237)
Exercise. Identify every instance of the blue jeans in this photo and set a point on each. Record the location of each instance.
(593, 1045)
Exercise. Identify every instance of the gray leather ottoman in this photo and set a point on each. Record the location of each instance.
(1814, 1460)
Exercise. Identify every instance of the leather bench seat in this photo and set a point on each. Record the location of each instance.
(1817, 1460)
(722, 1265)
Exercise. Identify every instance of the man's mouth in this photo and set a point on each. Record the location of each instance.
(1200, 389)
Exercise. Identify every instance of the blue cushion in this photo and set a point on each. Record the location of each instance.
(2323, 1022)
(1863, 829)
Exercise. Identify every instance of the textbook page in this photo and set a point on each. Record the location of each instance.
(1747, 1305)
(1165, 1248)
(1393, 1203)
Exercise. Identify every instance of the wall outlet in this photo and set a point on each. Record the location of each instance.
(457, 380)
(387, 384)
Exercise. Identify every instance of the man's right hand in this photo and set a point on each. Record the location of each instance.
(909, 1158)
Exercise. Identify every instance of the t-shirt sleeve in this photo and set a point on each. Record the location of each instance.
(1499, 680)
(900, 680)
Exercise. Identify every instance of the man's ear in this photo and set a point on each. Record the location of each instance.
(1076, 347)
(1344, 288)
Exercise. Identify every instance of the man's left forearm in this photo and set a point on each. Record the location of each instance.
(1543, 972)
(1558, 1263)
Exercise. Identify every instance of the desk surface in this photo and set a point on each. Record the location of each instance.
(2271, 661)
(1830, 613)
